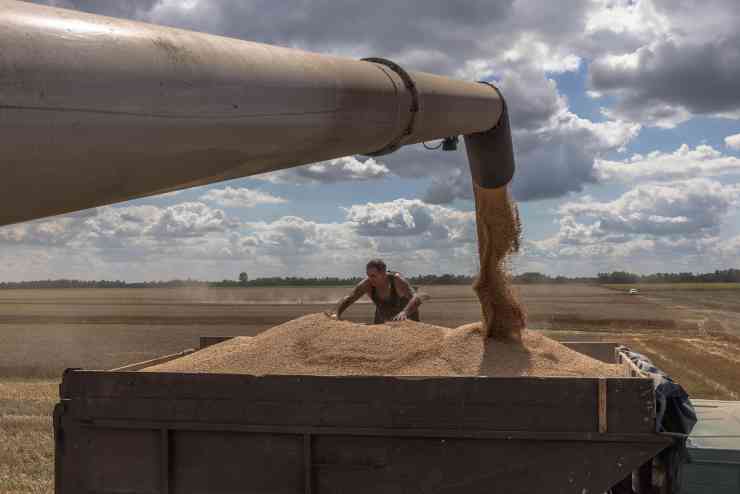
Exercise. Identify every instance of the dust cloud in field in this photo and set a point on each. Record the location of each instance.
(262, 295)
(319, 345)
(499, 233)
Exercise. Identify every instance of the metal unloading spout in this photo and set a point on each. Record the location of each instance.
(96, 110)
(491, 153)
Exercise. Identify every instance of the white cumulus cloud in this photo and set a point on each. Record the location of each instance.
(345, 169)
(654, 227)
(412, 218)
(701, 161)
(240, 197)
(190, 219)
(687, 63)
(158, 242)
(691, 207)
(651, 227)
(733, 141)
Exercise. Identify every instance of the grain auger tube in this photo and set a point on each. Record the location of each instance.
(96, 110)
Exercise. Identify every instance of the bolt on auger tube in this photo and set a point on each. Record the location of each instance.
(96, 110)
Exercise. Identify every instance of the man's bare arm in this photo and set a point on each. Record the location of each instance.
(357, 293)
(407, 291)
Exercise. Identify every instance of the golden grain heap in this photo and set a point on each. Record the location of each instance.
(317, 344)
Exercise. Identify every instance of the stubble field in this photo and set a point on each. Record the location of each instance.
(690, 331)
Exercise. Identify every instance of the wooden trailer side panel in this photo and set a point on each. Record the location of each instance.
(463, 404)
(228, 461)
(150, 461)
(121, 432)
(402, 465)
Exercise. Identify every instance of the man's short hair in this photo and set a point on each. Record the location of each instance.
(376, 264)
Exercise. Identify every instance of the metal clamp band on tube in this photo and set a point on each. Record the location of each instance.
(414, 109)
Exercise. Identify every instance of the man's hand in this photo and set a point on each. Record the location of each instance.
(401, 316)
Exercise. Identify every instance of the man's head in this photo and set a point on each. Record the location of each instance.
(376, 272)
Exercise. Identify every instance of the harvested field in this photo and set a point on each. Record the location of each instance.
(26, 442)
(706, 366)
(44, 331)
(318, 345)
(713, 306)
(688, 358)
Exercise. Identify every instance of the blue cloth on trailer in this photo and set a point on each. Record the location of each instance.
(674, 411)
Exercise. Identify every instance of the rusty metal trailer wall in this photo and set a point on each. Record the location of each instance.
(186, 433)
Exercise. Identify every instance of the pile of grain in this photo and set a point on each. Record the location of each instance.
(499, 231)
(318, 345)
(536, 355)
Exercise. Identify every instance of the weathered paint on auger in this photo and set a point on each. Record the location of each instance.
(96, 110)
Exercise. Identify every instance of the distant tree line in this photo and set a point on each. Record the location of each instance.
(64, 283)
(539, 278)
(428, 279)
(719, 276)
(242, 281)
(444, 279)
(286, 281)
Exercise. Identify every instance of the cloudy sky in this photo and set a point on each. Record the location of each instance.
(626, 119)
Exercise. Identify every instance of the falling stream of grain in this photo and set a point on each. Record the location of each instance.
(499, 232)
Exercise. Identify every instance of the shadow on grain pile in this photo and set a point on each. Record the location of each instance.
(499, 345)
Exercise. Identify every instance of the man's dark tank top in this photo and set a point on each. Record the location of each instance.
(387, 309)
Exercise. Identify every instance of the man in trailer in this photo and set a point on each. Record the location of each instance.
(393, 296)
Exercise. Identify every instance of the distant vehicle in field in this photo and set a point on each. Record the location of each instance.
(634, 291)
